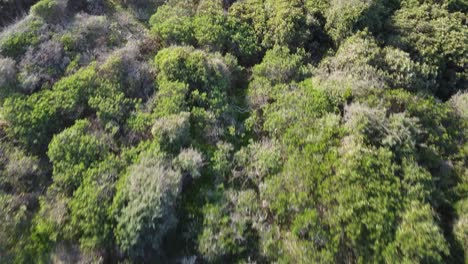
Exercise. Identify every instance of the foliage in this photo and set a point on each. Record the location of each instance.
(151, 190)
(226, 232)
(49, 10)
(210, 25)
(91, 219)
(344, 17)
(173, 129)
(72, 152)
(7, 75)
(234, 131)
(434, 36)
(418, 238)
(15, 42)
(360, 55)
(460, 227)
(173, 24)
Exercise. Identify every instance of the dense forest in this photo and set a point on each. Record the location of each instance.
(233, 131)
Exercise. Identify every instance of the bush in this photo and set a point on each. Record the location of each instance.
(279, 66)
(7, 75)
(173, 24)
(243, 42)
(87, 33)
(461, 226)
(358, 208)
(42, 66)
(72, 152)
(15, 41)
(189, 161)
(435, 37)
(257, 161)
(142, 9)
(171, 98)
(459, 101)
(222, 161)
(21, 172)
(345, 17)
(298, 105)
(270, 23)
(227, 233)
(173, 130)
(210, 27)
(398, 131)
(35, 125)
(360, 57)
(15, 220)
(209, 76)
(286, 24)
(90, 206)
(49, 10)
(151, 189)
(418, 238)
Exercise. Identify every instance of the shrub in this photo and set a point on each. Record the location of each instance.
(459, 101)
(21, 172)
(15, 41)
(210, 27)
(86, 33)
(270, 23)
(41, 66)
(227, 233)
(173, 130)
(173, 24)
(151, 190)
(243, 42)
(15, 219)
(36, 123)
(344, 17)
(222, 161)
(72, 152)
(360, 57)
(7, 75)
(418, 238)
(279, 66)
(435, 37)
(96, 7)
(189, 161)
(49, 10)
(44, 113)
(142, 9)
(358, 208)
(296, 107)
(171, 98)
(257, 161)
(398, 131)
(286, 24)
(209, 76)
(461, 225)
(90, 218)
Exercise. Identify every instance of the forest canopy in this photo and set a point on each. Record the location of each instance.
(233, 131)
